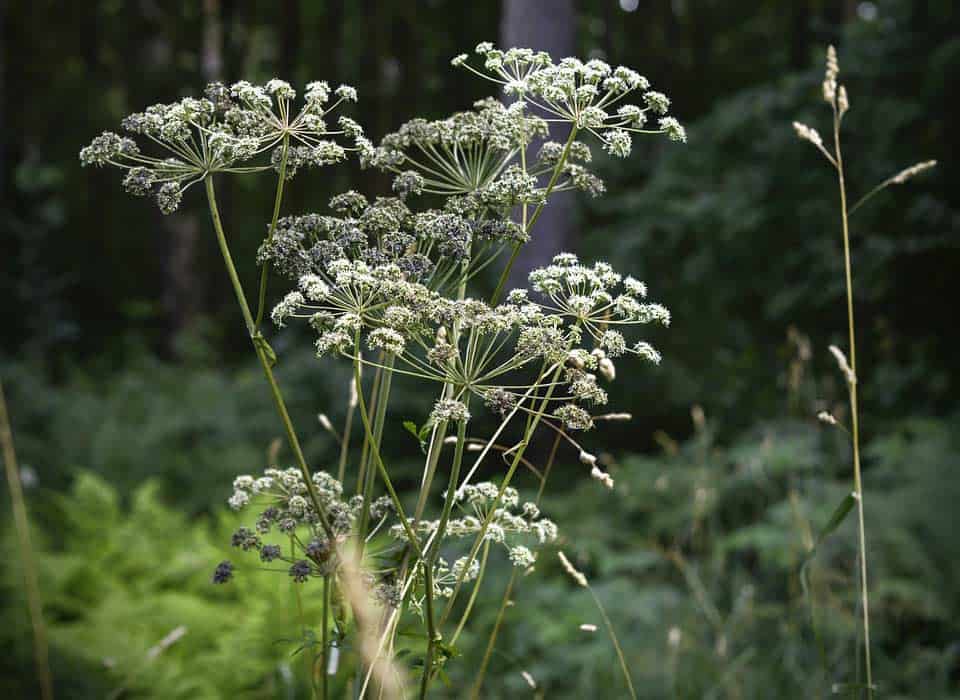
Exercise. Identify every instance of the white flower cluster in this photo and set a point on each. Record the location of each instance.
(223, 130)
(512, 523)
(287, 497)
(597, 297)
(466, 153)
(586, 94)
(286, 505)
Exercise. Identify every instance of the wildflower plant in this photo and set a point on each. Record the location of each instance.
(388, 284)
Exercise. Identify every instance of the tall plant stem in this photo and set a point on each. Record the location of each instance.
(434, 552)
(473, 594)
(384, 474)
(379, 418)
(22, 525)
(532, 422)
(388, 483)
(491, 642)
(264, 274)
(347, 428)
(325, 639)
(495, 298)
(855, 419)
(266, 357)
(365, 449)
(440, 433)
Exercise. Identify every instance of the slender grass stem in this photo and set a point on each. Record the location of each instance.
(854, 412)
(492, 640)
(41, 656)
(616, 642)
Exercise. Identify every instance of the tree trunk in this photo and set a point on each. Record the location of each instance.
(182, 291)
(543, 25)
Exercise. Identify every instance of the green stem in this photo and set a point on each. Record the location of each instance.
(379, 418)
(264, 273)
(488, 653)
(533, 422)
(440, 434)
(855, 421)
(259, 346)
(365, 450)
(473, 594)
(345, 443)
(433, 457)
(29, 567)
(325, 638)
(558, 168)
(387, 482)
(434, 552)
(616, 643)
(491, 642)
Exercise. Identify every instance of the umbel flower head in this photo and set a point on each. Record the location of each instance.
(464, 153)
(285, 510)
(587, 94)
(424, 245)
(221, 132)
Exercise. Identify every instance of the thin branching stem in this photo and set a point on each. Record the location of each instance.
(260, 347)
(557, 170)
(264, 270)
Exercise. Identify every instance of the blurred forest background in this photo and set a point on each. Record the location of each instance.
(134, 398)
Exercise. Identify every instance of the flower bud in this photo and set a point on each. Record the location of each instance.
(607, 369)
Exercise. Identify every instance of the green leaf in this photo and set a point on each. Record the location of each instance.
(411, 428)
(419, 433)
(839, 515)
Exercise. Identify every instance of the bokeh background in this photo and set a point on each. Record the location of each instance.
(134, 400)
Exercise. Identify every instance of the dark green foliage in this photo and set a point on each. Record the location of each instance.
(721, 567)
(196, 427)
(118, 579)
(738, 234)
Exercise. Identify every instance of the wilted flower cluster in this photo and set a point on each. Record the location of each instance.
(223, 130)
